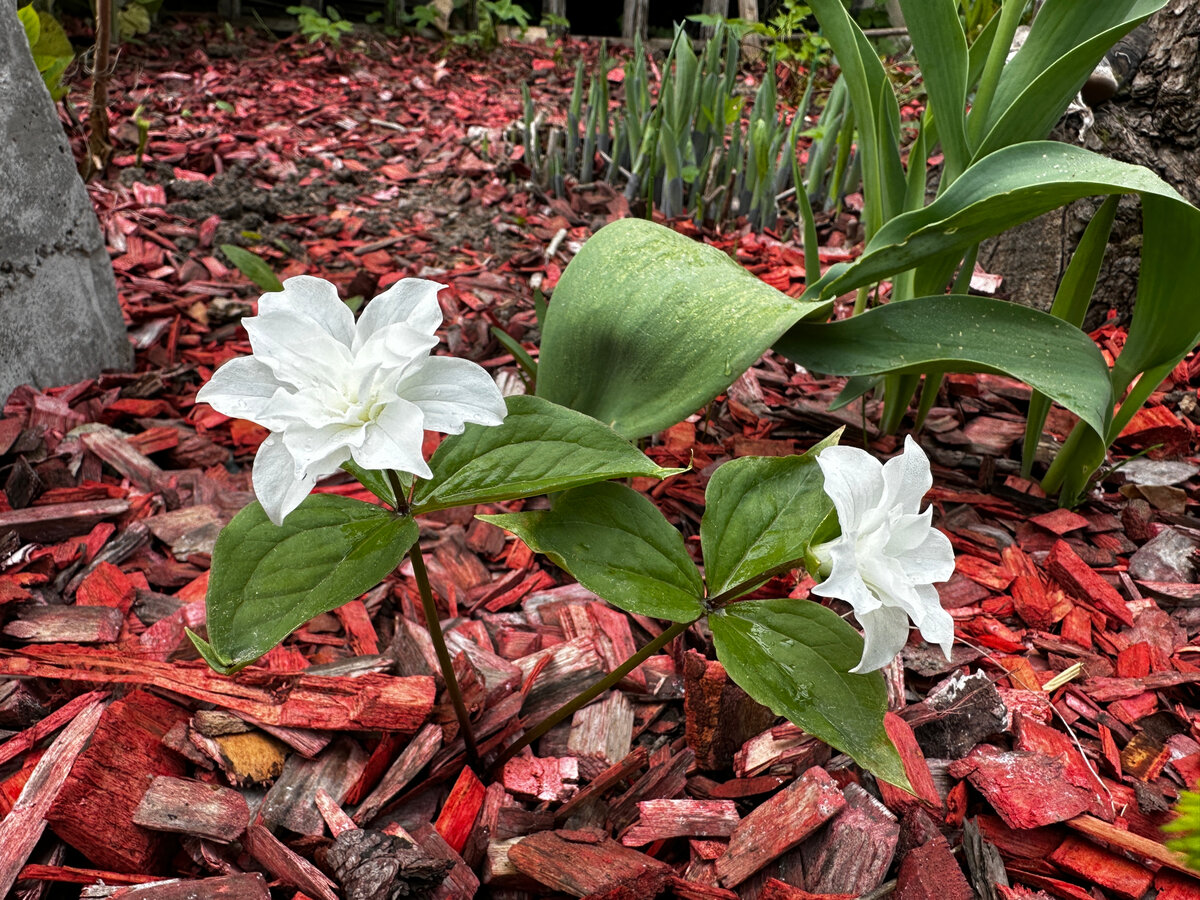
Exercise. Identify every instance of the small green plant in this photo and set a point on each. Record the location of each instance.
(316, 27)
(490, 14)
(423, 15)
(1187, 827)
(143, 130)
(51, 48)
(786, 31)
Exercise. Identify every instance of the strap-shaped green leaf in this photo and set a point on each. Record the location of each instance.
(269, 579)
(941, 46)
(617, 544)
(646, 326)
(794, 656)
(759, 515)
(540, 447)
(962, 334)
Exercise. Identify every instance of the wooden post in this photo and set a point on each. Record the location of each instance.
(713, 8)
(634, 19)
(751, 43)
(555, 8)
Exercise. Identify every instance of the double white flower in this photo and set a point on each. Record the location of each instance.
(332, 390)
(889, 554)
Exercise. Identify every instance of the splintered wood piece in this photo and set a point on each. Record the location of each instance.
(774, 889)
(66, 625)
(695, 890)
(94, 809)
(853, 852)
(541, 778)
(335, 817)
(420, 750)
(61, 520)
(461, 881)
(915, 767)
(460, 810)
(603, 730)
(110, 445)
(370, 702)
(286, 865)
(77, 875)
(498, 676)
(1025, 789)
(604, 782)
(583, 869)
(185, 806)
(930, 872)
(663, 819)
(1131, 843)
(1039, 738)
(609, 629)
(778, 746)
(291, 802)
(719, 716)
(1112, 872)
(663, 780)
(19, 743)
(243, 886)
(1077, 577)
(1171, 886)
(572, 666)
(779, 824)
(21, 829)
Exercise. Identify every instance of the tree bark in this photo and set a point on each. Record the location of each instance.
(1154, 120)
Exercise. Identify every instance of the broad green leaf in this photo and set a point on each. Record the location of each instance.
(941, 47)
(617, 544)
(998, 192)
(759, 516)
(52, 38)
(252, 266)
(1066, 41)
(31, 23)
(794, 656)
(962, 334)
(646, 326)
(539, 448)
(269, 579)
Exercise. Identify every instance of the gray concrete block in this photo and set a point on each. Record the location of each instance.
(59, 317)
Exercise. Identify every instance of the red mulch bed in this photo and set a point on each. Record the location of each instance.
(1045, 757)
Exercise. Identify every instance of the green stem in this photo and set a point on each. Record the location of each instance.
(1010, 18)
(591, 693)
(433, 623)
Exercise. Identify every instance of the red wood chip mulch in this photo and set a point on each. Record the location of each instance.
(1045, 756)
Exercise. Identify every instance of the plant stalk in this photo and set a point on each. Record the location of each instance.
(591, 693)
(433, 623)
(99, 145)
(1010, 18)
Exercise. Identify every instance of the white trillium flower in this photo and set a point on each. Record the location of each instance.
(331, 389)
(889, 554)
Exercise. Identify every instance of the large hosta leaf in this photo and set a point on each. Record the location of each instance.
(269, 579)
(617, 544)
(794, 656)
(646, 326)
(540, 447)
(959, 333)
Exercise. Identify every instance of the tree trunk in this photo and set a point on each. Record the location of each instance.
(1154, 120)
(58, 301)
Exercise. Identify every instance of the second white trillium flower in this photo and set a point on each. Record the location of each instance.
(889, 554)
(332, 390)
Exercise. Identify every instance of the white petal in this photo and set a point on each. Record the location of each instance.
(451, 392)
(853, 481)
(312, 448)
(242, 388)
(393, 441)
(885, 632)
(313, 298)
(393, 346)
(299, 351)
(845, 580)
(929, 562)
(278, 483)
(412, 301)
(936, 625)
(907, 477)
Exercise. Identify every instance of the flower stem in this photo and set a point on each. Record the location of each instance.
(591, 693)
(443, 653)
(434, 625)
